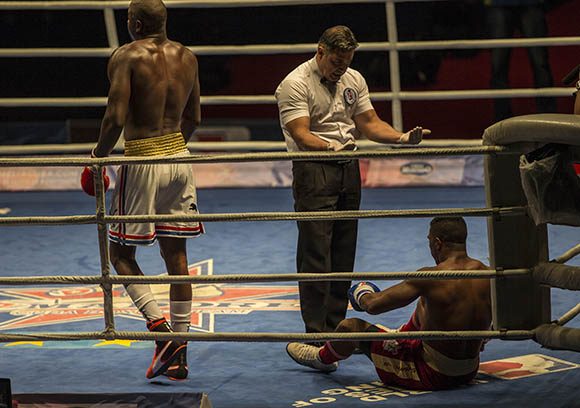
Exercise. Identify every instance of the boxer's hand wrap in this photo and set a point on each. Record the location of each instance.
(356, 292)
(414, 136)
(88, 179)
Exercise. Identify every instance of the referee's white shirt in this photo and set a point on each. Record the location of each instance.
(330, 107)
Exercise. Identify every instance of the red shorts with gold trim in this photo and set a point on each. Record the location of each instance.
(412, 364)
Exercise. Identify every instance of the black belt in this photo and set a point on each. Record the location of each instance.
(342, 162)
(345, 161)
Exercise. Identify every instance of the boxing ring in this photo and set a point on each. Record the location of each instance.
(234, 373)
(531, 321)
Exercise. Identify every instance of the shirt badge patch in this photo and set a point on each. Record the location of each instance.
(350, 96)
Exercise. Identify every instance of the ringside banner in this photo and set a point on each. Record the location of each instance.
(395, 172)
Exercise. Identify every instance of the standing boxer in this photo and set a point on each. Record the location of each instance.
(154, 96)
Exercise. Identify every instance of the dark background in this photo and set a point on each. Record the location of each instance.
(246, 75)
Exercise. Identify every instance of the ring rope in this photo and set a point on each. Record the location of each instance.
(99, 101)
(273, 337)
(222, 146)
(569, 315)
(280, 277)
(327, 215)
(104, 254)
(251, 157)
(541, 273)
(569, 254)
(273, 49)
(122, 4)
(263, 216)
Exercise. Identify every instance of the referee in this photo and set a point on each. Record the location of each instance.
(324, 106)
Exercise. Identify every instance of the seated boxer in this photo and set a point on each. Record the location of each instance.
(447, 305)
(154, 97)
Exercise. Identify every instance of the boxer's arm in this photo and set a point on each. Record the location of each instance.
(119, 72)
(191, 117)
(392, 298)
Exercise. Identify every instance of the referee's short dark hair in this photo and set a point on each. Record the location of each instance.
(338, 38)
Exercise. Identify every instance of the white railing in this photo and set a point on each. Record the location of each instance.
(391, 45)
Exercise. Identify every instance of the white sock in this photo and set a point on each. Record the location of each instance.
(144, 300)
(180, 312)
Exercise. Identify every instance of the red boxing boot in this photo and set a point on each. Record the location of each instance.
(166, 351)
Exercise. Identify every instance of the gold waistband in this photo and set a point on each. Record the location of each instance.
(448, 366)
(156, 146)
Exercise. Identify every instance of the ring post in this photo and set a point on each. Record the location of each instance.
(514, 242)
(102, 229)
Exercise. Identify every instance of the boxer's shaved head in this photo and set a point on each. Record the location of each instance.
(450, 230)
(151, 13)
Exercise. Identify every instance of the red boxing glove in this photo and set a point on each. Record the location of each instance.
(88, 180)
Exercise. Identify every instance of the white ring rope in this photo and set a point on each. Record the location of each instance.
(275, 49)
(569, 254)
(269, 99)
(272, 337)
(248, 157)
(98, 101)
(569, 315)
(122, 4)
(222, 146)
(90, 101)
(264, 216)
(253, 278)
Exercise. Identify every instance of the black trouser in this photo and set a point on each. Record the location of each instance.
(531, 22)
(325, 246)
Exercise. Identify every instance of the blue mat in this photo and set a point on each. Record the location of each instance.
(250, 374)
